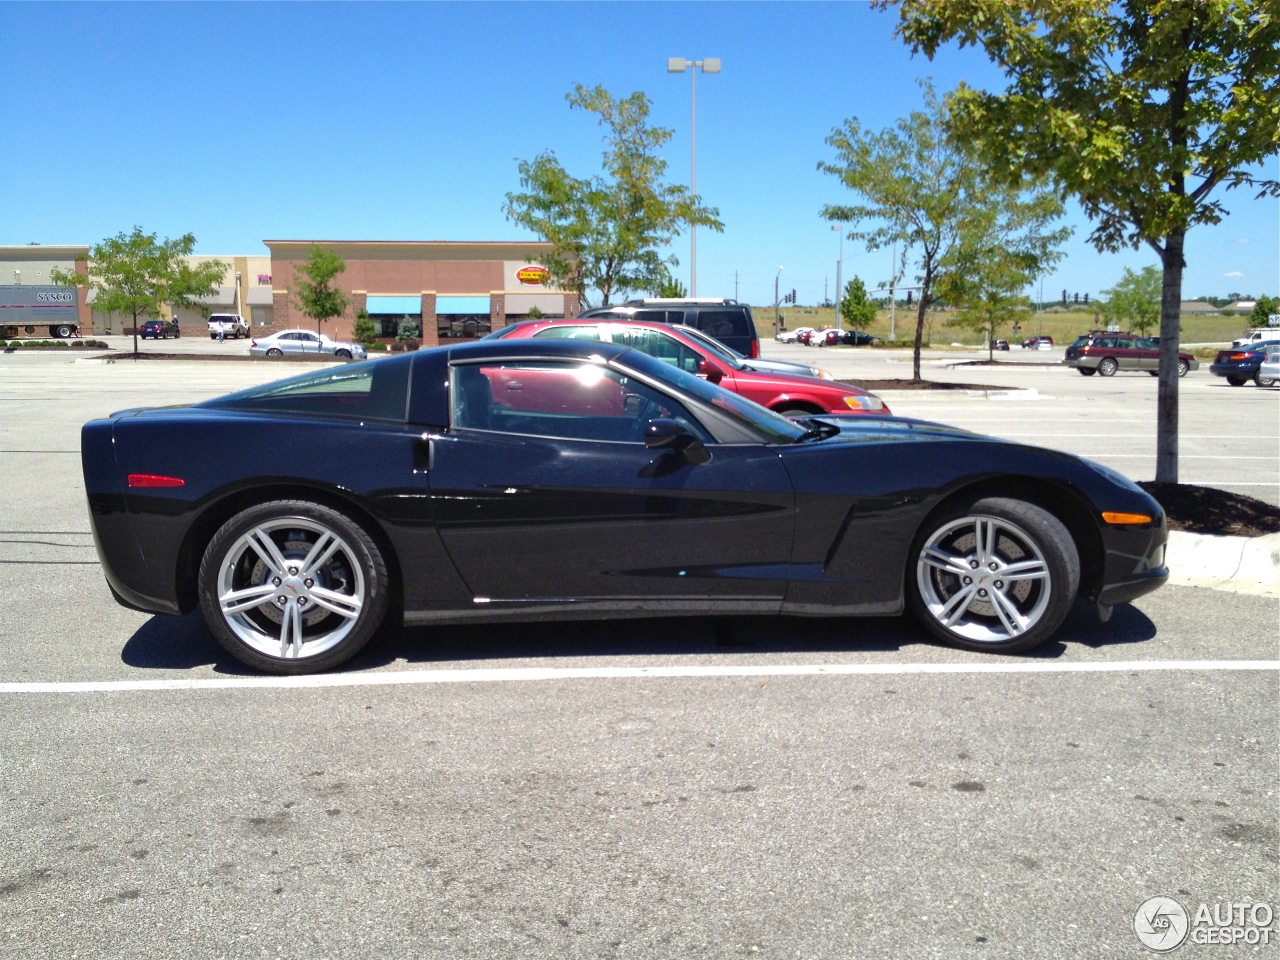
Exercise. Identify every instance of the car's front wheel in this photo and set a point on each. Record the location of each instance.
(996, 574)
(293, 587)
(1108, 367)
(342, 354)
(1261, 381)
(1086, 372)
(1237, 381)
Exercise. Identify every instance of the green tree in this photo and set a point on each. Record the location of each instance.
(856, 309)
(1134, 302)
(1263, 310)
(1141, 109)
(922, 190)
(365, 330)
(407, 331)
(607, 231)
(670, 287)
(135, 274)
(313, 289)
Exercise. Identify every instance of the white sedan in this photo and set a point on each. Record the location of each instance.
(1269, 369)
(789, 336)
(304, 341)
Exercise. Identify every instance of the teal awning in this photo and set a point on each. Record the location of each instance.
(396, 305)
(455, 305)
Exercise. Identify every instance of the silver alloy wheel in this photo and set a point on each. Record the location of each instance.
(984, 579)
(291, 588)
(1107, 367)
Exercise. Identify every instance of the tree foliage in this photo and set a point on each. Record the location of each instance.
(135, 274)
(1263, 310)
(313, 290)
(607, 231)
(856, 308)
(1141, 109)
(921, 189)
(364, 331)
(1134, 302)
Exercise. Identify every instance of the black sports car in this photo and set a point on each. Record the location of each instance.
(557, 479)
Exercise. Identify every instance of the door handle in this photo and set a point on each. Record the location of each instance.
(422, 451)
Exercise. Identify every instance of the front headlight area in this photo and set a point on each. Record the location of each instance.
(865, 403)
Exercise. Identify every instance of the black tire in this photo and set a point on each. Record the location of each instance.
(1237, 381)
(996, 575)
(1085, 372)
(1156, 373)
(1261, 381)
(1183, 368)
(275, 352)
(795, 410)
(1107, 367)
(342, 354)
(293, 587)
(62, 331)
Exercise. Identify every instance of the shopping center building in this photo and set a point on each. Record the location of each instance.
(448, 289)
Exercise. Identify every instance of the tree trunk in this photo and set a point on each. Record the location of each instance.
(1167, 390)
(915, 358)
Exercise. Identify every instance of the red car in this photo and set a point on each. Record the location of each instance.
(783, 393)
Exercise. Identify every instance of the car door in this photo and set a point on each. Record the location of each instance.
(546, 493)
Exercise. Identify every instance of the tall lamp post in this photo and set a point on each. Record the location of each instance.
(839, 286)
(680, 65)
(777, 317)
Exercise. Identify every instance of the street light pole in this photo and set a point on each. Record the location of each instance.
(777, 317)
(680, 65)
(839, 286)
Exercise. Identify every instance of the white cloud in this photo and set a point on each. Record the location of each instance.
(1233, 273)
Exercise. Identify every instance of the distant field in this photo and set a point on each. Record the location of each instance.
(1062, 326)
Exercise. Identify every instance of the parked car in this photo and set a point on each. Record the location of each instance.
(728, 321)
(1038, 343)
(831, 337)
(755, 363)
(792, 336)
(1108, 353)
(672, 344)
(227, 326)
(1269, 369)
(807, 335)
(999, 344)
(304, 341)
(530, 479)
(1241, 364)
(158, 330)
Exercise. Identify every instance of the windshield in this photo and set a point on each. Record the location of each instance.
(774, 427)
(725, 353)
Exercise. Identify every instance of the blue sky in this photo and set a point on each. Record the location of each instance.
(242, 122)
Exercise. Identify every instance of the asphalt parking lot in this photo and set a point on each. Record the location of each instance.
(646, 789)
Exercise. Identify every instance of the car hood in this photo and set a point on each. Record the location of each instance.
(874, 428)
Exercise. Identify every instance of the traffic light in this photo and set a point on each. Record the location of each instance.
(1077, 297)
(908, 298)
(1086, 298)
(791, 297)
(1064, 298)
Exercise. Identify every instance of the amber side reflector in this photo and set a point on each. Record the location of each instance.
(154, 480)
(1124, 518)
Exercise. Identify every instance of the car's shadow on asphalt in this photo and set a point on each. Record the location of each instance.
(186, 643)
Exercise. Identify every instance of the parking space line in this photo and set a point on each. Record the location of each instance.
(525, 674)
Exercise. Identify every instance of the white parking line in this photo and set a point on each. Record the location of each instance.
(522, 674)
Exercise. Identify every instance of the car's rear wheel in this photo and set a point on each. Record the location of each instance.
(1262, 381)
(1183, 368)
(997, 574)
(1237, 381)
(275, 352)
(293, 587)
(1085, 372)
(1108, 367)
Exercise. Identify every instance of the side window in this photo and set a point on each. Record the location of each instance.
(651, 316)
(1146, 344)
(571, 400)
(660, 345)
(721, 323)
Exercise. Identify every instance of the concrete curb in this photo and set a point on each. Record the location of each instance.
(1235, 564)
(924, 396)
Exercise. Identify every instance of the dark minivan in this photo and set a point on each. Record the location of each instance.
(728, 321)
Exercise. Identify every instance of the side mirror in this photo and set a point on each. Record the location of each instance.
(672, 435)
(710, 371)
